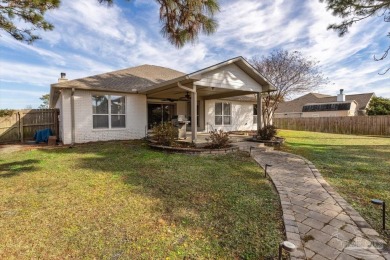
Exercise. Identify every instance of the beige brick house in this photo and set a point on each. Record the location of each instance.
(124, 104)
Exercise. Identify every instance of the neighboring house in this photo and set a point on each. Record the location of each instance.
(124, 104)
(320, 105)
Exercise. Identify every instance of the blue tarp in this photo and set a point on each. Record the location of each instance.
(42, 135)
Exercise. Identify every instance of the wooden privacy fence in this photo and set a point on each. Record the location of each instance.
(22, 125)
(358, 125)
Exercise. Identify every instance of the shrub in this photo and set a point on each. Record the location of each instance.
(6, 112)
(165, 134)
(267, 133)
(219, 139)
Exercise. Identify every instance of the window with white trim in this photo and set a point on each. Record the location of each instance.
(223, 114)
(255, 114)
(108, 111)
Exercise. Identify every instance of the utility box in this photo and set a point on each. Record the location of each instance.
(52, 140)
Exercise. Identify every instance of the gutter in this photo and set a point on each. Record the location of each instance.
(72, 116)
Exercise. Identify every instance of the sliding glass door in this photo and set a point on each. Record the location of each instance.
(160, 113)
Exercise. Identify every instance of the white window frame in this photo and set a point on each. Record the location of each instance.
(222, 114)
(109, 112)
(254, 116)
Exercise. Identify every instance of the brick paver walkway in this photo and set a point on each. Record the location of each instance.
(317, 219)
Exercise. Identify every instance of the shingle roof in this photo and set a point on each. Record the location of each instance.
(362, 99)
(320, 95)
(140, 78)
(296, 105)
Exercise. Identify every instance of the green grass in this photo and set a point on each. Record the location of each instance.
(121, 200)
(357, 166)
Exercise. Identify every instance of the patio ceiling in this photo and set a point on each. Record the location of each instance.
(175, 92)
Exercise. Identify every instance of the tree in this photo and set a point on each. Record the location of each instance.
(45, 101)
(379, 106)
(182, 20)
(6, 112)
(30, 12)
(353, 11)
(291, 73)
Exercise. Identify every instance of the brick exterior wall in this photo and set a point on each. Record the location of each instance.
(136, 116)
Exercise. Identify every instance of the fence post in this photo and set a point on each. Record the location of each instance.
(18, 122)
(21, 129)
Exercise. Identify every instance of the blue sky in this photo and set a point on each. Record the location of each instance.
(89, 39)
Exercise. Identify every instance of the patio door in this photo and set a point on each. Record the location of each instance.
(160, 113)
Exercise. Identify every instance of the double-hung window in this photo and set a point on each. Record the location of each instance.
(108, 111)
(223, 114)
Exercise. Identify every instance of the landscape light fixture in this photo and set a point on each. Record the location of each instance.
(288, 246)
(265, 171)
(381, 202)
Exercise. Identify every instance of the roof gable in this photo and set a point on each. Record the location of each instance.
(243, 65)
(228, 76)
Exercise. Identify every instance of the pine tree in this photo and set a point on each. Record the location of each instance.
(353, 11)
(45, 101)
(29, 11)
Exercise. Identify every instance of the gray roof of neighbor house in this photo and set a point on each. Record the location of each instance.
(297, 104)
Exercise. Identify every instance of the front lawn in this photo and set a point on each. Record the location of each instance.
(357, 166)
(121, 200)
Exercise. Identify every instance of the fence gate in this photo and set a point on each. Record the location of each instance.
(22, 125)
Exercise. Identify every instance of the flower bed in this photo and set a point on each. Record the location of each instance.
(192, 150)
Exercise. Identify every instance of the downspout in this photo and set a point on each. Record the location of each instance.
(72, 115)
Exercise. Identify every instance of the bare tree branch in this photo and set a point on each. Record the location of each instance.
(290, 73)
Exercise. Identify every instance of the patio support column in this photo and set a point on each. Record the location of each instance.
(194, 122)
(259, 111)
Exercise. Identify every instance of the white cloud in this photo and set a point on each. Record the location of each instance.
(91, 39)
(17, 46)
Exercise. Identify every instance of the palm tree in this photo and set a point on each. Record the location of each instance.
(183, 20)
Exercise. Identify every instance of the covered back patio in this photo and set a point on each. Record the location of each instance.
(203, 97)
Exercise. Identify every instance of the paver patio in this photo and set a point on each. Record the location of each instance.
(317, 219)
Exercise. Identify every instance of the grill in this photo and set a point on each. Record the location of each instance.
(181, 123)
